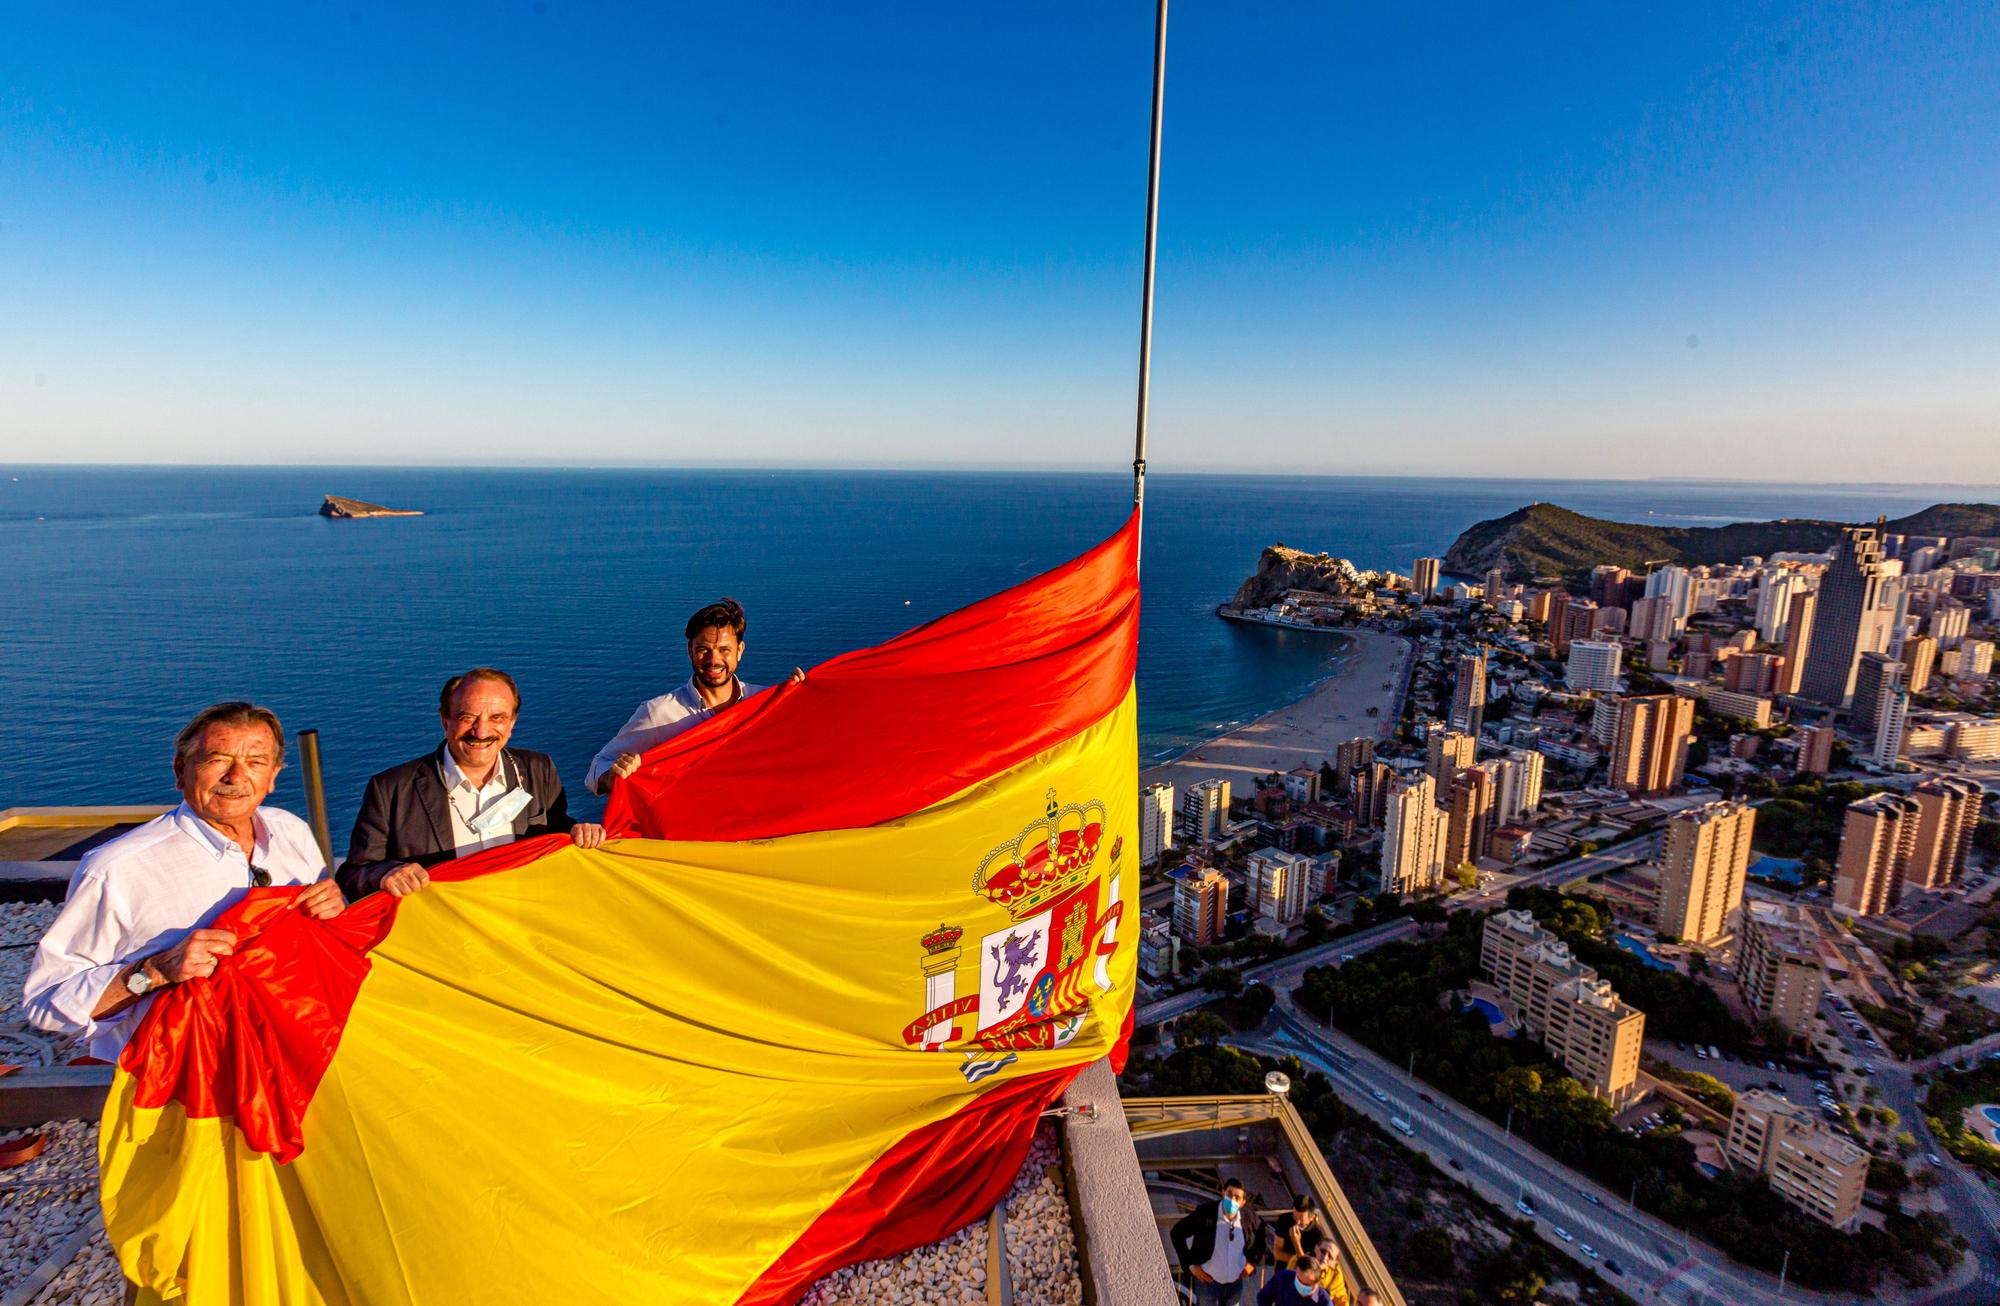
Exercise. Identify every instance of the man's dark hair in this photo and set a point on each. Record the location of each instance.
(234, 713)
(1304, 1202)
(723, 612)
(449, 694)
(1237, 1184)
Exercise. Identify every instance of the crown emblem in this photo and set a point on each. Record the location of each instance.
(1046, 860)
(942, 939)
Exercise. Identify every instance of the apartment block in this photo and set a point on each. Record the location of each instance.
(1778, 964)
(1424, 576)
(1156, 821)
(1649, 752)
(1413, 836)
(1468, 698)
(1815, 750)
(1804, 1161)
(1201, 905)
(1448, 752)
(1593, 666)
(1279, 881)
(1947, 816)
(1469, 821)
(1702, 863)
(1519, 779)
(1579, 1017)
(1205, 810)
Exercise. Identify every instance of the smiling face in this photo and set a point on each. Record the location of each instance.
(480, 723)
(229, 772)
(713, 653)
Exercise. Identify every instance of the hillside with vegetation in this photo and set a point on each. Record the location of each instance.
(1545, 540)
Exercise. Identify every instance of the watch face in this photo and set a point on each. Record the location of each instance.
(138, 982)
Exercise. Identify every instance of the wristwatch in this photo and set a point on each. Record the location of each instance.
(140, 982)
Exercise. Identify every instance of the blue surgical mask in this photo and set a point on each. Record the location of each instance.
(1230, 1205)
(1304, 1285)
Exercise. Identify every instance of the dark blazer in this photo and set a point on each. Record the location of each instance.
(1194, 1236)
(403, 816)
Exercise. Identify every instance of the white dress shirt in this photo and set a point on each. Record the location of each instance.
(1226, 1264)
(657, 721)
(141, 894)
(467, 802)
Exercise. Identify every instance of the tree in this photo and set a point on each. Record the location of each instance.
(1466, 876)
(1258, 1000)
(1697, 963)
(1226, 980)
(1431, 1252)
(1200, 1029)
(1509, 1279)
(1886, 1117)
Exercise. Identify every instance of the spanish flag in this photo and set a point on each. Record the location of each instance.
(848, 941)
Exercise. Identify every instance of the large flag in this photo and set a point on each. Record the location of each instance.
(849, 940)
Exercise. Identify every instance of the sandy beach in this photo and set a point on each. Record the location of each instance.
(1304, 733)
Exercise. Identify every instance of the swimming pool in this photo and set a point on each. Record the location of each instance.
(1640, 950)
(1778, 870)
(1991, 1113)
(1492, 1013)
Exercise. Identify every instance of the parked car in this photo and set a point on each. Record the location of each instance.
(1587, 1250)
(1378, 1095)
(1564, 1234)
(1614, 1267)
(1522, 1205)
(1592, 1199)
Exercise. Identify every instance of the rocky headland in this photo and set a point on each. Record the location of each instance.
(342, 509)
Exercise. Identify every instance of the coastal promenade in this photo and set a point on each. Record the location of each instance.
(1305, 733)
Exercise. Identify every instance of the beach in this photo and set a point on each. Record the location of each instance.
(1304, 733)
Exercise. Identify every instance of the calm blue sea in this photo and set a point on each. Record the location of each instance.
(131, 597)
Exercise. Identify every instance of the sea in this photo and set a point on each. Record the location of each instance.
(131, 597)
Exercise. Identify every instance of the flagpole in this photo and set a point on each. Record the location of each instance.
(1152, 240)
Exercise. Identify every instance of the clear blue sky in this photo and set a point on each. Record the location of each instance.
(1721, 240)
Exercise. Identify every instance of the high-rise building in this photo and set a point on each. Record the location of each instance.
(1774, 602)
(1975, 659)
(1947, 816)
(1919, 660)
(1470, 816)
(1948, 625)
(1279, 881)
(1496, 585)
(1702, 862)
(1424, 577)
(1468, 698)
(1895, 718)
(1519, 786)
(1649, 752)
(1156, 947)
(1650, 619)
(1676, 586)
(1798, 637)
(1201, 905)
(1156, 821)
(1543, 604)
(1561, 1001)
(1593, 666)
(1799, 1155)
(1574, 621)
(1608, 586)
(1815, 750)
(1778, 964)
(1449, 752)
(1876, 681)
(1205, 810)
(1350, 757)
(1848, 593)
(1754, 673)
(1412, 851)
(1878, 834)
(1368, 793)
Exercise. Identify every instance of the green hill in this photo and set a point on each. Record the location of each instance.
(1544, 540)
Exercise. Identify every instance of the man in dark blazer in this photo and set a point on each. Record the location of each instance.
(1217, 1243)
(471, 793)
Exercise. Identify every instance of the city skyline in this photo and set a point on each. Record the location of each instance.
(542, 237)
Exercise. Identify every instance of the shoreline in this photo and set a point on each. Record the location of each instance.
(1307, 730)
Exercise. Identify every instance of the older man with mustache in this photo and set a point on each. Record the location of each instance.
(472, 792)
(139, 908)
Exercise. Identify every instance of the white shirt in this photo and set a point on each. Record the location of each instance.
(1225, 1265)
(140, 894)
(466, 801)
(657, 721)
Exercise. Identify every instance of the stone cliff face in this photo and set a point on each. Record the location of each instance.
(340, 508)
(1280, 569)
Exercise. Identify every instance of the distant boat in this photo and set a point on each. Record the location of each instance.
(340, 508)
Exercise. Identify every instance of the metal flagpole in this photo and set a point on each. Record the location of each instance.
(1152, 240)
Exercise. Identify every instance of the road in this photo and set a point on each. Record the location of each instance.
(1654, 1261)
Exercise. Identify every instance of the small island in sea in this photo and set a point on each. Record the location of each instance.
(340, 508)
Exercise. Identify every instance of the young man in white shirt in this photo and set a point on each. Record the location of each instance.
(715, 647)
(139, 907)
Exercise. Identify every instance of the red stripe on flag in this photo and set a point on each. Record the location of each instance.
(920, 1190)
(883, 732)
